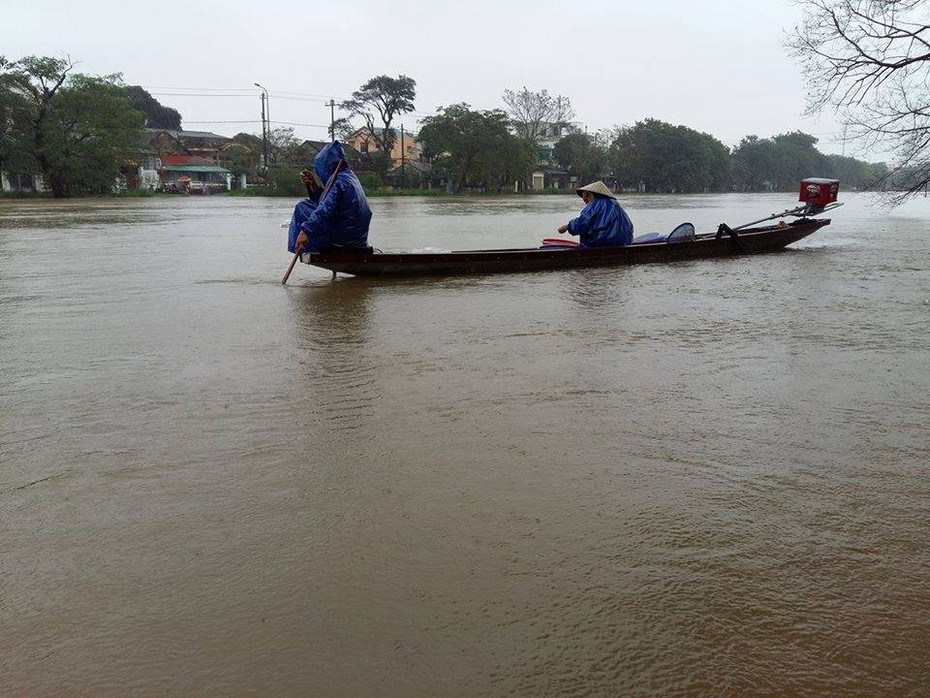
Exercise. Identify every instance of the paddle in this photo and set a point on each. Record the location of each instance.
(329, 184)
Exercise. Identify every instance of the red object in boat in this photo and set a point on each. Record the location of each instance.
(559, 242)
(819, 191)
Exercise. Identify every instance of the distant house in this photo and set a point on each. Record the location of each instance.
(552, 133)
(546, 175)
(203, 143)
(549, 177)
(406, 148)
(165, 156)
(192, 173)
(183, 160)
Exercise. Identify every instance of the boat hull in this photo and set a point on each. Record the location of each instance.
(743, 242)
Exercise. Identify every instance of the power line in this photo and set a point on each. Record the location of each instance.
(304, 94)
(198, 89)
(248, 96)
(300, 99)
(295, 123)
(229, 92)
(253, 121)
(194, 94)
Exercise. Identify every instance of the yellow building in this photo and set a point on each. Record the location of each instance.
(405, 147)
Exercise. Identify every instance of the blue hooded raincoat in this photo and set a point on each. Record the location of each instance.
(602, 223)
(341, 219)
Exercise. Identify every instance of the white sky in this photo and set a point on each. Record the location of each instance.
(716, 66)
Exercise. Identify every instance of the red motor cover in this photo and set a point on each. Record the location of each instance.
(819, 191)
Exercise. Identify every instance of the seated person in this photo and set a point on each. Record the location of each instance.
(602, 222)
(335, 217)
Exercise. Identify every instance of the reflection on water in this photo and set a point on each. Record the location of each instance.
(705, 478)
(331, 327)
(601, 290)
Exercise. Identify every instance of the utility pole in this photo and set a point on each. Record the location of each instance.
(403, 160)
(332, 118)
(264, 136)
(266, 123)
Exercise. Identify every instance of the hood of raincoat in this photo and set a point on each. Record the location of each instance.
(327, 160)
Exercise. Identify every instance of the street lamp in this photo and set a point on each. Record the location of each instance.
(266, 130)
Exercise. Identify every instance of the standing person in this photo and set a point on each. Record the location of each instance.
(335, 216)
(602, 222)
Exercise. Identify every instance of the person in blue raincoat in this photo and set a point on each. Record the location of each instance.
(334, 217)
(602, 222)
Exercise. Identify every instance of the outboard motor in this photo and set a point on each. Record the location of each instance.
(818, 193)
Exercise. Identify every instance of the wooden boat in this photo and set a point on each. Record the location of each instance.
(725, 242)
(816, 194)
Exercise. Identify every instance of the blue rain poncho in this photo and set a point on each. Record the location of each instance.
(342, 217)
(602, 223)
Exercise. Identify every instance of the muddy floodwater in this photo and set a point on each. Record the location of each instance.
(708, 478)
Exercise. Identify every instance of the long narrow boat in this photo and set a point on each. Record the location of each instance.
(724, 242)
(816, 194)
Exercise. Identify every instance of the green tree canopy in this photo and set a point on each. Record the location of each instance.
(578, 154)
(856, 174)
(475, 148)
(77, 130)
(754, 163)
(778, 163)
(660, 157)
(388, 97)
(288, 155)
(156, 116)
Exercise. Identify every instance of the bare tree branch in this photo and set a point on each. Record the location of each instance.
(530, 112)
(869, 60)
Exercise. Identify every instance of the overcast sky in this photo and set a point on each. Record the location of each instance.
(716, 66)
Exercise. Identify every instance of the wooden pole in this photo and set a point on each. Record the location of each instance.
(290, 268)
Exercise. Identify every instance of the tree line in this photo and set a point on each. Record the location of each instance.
(868, 58)
(493, 149)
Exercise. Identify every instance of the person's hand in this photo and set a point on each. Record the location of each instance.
(309, 181)
(563, 228)
(301, 242)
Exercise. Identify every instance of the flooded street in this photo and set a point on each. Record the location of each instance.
(708, 478)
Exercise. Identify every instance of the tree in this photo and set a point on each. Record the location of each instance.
(288, 155)
(27, 88)
(754, 162)
(239, 159)
(285, 149)
(855, 174)
(388, 97)
(579, 154)
(869, 60)
(156, 116)
(341, 128)
(798, 158)
(475, 148)
(76, 130)
(242, 155)
(665, 158)
(530, 111)
(780, 162)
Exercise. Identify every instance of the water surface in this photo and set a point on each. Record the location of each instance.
(703, 478)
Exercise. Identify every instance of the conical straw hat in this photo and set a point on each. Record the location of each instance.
(597, 187)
